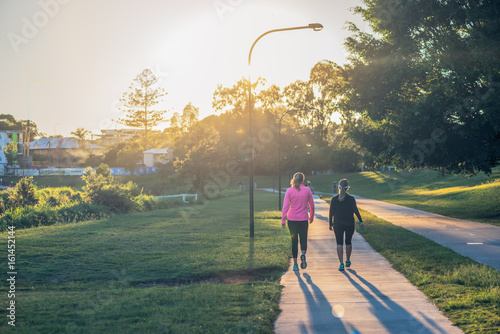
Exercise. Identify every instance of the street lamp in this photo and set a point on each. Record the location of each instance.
(313, 26)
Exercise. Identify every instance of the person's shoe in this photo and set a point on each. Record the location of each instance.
(347, 263)
(303, 263)
(295, 267)
(341, 267)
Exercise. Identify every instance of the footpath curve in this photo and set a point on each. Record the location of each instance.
(478, 241)
(370, 297)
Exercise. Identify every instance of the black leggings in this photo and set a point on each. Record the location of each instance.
(298, 228)
(339, 230)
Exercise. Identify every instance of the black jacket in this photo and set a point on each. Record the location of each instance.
(343, 212)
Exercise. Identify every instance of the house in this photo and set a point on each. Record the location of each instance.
(152, 156)
(111, 137)
(63, 152)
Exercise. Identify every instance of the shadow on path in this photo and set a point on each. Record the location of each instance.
(320, 311)
(384, 309)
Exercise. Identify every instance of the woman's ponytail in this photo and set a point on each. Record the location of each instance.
(297, 180)
(343, 186)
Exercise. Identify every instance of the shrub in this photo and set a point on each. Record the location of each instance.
(28, 216)
(82, 211)
(24, 193)
(54, 197)
(101, 189)
(5, 202)
(145, 202)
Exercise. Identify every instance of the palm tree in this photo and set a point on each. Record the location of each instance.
(80, 133)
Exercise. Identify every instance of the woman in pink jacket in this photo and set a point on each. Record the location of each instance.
(297, 199)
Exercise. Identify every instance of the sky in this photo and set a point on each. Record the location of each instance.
(65, 64)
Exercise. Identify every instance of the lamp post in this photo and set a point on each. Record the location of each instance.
(313, 26)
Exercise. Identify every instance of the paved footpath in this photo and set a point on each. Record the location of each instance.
(480, 242)
(371, 297)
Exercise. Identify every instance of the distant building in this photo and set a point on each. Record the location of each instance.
(6, 137)
(111, 137)
(62, 152)
(154, 155)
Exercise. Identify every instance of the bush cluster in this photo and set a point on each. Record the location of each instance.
(25, 206)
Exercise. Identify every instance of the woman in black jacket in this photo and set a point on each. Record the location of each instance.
(342, 210)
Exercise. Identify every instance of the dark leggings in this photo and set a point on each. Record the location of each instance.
(298, 228)
(339, 230)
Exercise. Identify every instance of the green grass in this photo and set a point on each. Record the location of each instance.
(474, 198)
(177, 270)
(467, 292)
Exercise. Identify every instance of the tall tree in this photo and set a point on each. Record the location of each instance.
(139, 101)
(424, 83)
(182, 123)
(321, 92)
(235, 99)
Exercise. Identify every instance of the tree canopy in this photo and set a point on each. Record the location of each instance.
(421, 85)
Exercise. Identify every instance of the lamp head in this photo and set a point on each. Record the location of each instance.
(315, 26)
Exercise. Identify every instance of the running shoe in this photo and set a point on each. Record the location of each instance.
(341, 267)
(348, 263)
(303, 263)
(295, 267)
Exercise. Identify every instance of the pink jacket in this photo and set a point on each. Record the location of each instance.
(295, 204)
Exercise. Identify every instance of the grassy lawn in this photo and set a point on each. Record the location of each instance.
(474, 198)
(190, 270)
(467, 292)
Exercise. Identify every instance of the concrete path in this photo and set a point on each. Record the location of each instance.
(371, 297)
(480, 242)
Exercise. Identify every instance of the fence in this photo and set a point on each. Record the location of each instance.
(181, 195)
(74, 171)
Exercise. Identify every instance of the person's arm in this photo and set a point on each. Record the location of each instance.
(356, 212)
(286, 207)
(311, 208)
(330, 215)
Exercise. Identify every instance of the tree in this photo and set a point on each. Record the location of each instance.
(424, 83)
(325, 85)
(80, 133)
(10, 151)
(204, 155)
(235, 99)
(130, 155)
(9, 122)
(139, 103)
(182, 123)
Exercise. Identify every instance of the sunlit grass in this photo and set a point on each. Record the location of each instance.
(188, 269)
(467, 292)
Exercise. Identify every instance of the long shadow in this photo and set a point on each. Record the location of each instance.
(385, 309)
(320, 310)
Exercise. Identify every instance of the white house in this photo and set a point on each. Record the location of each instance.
(154, 155)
